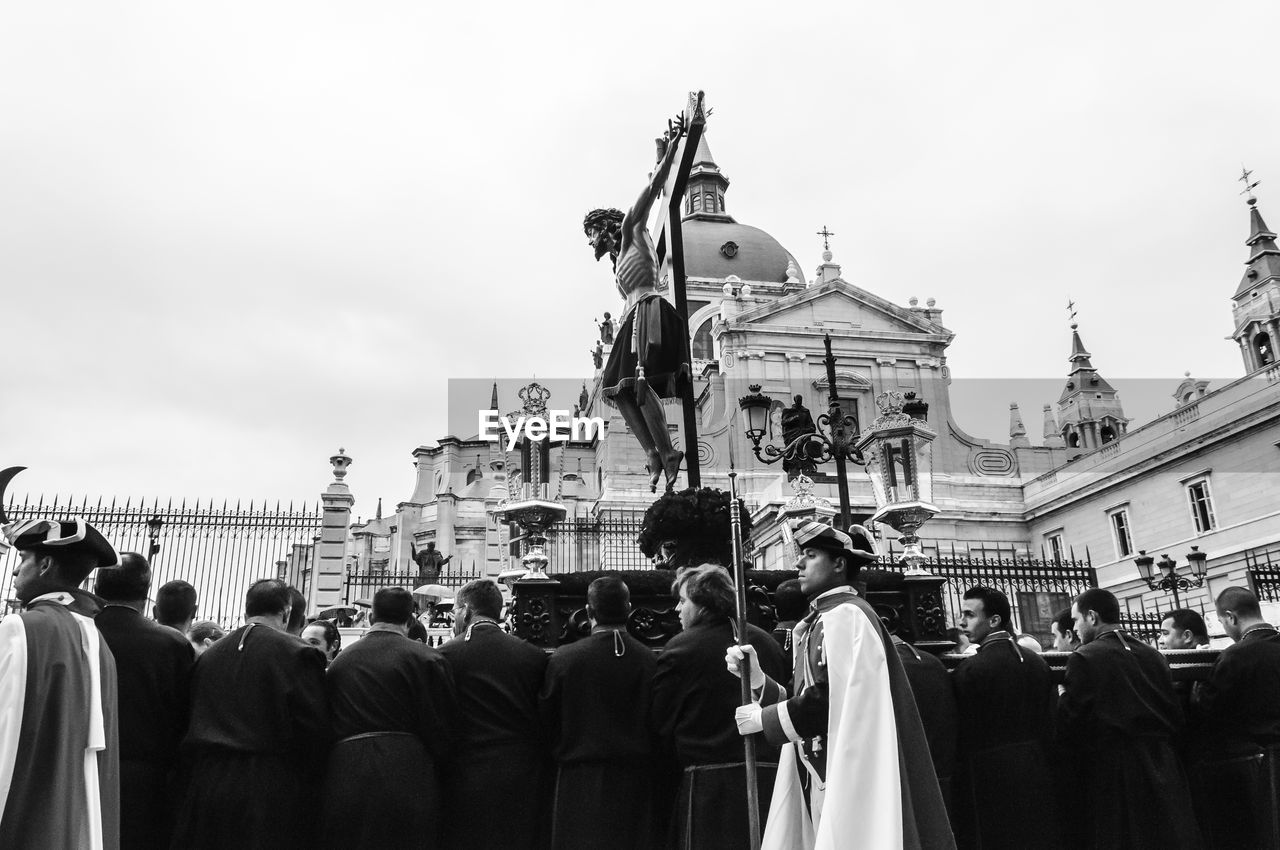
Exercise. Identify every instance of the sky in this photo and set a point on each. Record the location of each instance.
(234, 238)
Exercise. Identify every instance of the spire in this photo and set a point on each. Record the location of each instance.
(1017, 431)
(379, 516)
(1264, 256)
(1079, 354)
(704, 193)
(1052, 437)
(493, 399)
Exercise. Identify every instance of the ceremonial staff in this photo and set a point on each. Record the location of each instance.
(740, 582)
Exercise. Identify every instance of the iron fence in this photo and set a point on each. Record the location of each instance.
(606, 542)
(1264, 572)
(218, 549)
(360, 586)
(1037, 589)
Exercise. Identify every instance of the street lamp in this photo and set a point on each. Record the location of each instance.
(899, 451)
(153, 532)
(815, 447)
(1163, 574)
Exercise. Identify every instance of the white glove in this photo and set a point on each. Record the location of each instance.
(733, 658)
(749, 718)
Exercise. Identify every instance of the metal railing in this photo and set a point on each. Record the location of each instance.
(360, 586)
(220, 550)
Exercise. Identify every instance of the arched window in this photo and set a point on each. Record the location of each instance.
(1107, 433)
(1073, 440)
(1262, 345)
(703, 348)
(697, 202)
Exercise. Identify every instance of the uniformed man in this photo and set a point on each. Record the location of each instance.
(857, 767)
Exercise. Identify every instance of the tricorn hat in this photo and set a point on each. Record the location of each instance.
(74, 537)
(856, 547)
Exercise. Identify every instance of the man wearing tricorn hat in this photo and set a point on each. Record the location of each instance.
(59, 760)
(858, 770)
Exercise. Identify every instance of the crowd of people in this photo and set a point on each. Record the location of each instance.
(119, 730)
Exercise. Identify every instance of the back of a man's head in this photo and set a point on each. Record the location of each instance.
(1240, 601)
(297, 611)
(175, 604)
(789, 601)
(609, 601)
(482, 597)
(393, 605)
(267, 597)
(129, 582)
(1184, 619)
(1101, 602)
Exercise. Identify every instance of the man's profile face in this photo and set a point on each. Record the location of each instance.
(974, 622)
(819, 571)
(459, 617)
(1084, 628)
(599, 239)
(1172, 637)
(27, 571)
(1062, 641)
(1230, 624)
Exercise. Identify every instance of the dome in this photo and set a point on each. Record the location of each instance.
(754, 255)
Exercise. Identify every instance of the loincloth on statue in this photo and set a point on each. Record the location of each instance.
(653, 336)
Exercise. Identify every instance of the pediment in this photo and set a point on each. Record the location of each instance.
(839, 305)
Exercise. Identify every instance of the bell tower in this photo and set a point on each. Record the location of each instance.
(1255, 308)
(1089, 410)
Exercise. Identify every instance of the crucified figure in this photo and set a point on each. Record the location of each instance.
(647, 363)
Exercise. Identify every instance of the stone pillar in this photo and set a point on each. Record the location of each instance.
(331, 551)
(446, 514)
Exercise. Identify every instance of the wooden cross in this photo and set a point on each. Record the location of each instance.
(670, 247)
(826, 235)
(1245, 174)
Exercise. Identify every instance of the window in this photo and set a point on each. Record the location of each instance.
(697, 202)
(1262, 344)
(1054, 544)
(1120, 530)
(1201, 505)
(711, 202)
(703, 347)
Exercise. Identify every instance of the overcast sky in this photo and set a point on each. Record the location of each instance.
(234, 237)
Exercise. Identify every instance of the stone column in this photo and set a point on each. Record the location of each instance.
(331, 550)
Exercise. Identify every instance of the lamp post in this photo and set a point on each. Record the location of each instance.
(837, 443)
(153, 533)
(1163, 574)
(899, 451)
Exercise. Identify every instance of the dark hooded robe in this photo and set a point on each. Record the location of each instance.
(153, 667)
(1117, 719)
(1006, 796)
(496, 794)
(935, 695)
(858, 769)
(694, 698)
(595, 705)
(59, 755)
(257, 741)
(1236, 769)
(393, 710)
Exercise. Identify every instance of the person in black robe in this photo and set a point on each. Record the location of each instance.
(595, 705)
(791, 606)
(393, 709)
(1237, 745)
(153, 672)
(496, 789)
(1005, 699)
(694, 698)
(1118, 717)
(258, 734)
(935, 696)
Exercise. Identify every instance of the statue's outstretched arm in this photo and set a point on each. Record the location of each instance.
(639, 214)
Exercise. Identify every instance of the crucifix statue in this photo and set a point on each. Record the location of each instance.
(649, 360)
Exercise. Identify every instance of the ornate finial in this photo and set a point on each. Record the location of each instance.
(804, 498)
(535, 397)
(340, 463)
(826, 240)
(1071, 313)
(1249, 186)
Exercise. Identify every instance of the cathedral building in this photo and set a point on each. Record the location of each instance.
(1202, 475)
